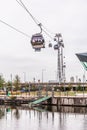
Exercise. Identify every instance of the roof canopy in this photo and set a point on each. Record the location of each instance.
(83, 59)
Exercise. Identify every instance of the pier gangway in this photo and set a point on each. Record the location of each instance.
(38, 101)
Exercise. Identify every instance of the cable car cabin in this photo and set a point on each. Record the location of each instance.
(50, 45)
(38, 49)
(37, 41)
(56, 47)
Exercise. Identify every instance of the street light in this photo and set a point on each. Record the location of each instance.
(43, 74)
(29, 88)
(11, 84)
(24, 76)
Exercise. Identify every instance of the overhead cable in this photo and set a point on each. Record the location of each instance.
(48, 30)
(19, 3)
(47, 34)
(35, 20)
(23, 5)
(15, 28)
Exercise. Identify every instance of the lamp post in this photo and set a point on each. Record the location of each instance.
(84, 80)
(43, 74)
(29, 88)
(24, 76)
(64, 78)
(52, 92)
(11, 84)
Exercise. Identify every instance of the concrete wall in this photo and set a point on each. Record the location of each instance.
(69, 101)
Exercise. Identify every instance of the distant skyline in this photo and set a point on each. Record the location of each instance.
(59, 16)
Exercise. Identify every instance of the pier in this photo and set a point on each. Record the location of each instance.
(78, 101)
(70, 101)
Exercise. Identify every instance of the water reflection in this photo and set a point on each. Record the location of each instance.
(2, 112)
(46, 118)
(66, 109)
(17, 114)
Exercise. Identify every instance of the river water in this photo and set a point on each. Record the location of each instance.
(46, 118)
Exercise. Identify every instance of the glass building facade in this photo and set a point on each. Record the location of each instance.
(83, 59)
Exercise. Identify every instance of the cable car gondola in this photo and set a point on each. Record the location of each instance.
(37, 49)
(37, 41)
(56, 47)
(50, 45)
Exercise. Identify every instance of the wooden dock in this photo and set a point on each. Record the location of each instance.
(76, 101)
(17, 101)
(57, 101)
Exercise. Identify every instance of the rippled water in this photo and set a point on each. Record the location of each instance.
(48, 118)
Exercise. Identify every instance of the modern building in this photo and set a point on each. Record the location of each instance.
(72, 79)
(83, 59)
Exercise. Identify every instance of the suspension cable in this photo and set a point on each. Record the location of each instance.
(47, 30)
(35, 20)
(15, 29)
(47, 34)
(19, 3)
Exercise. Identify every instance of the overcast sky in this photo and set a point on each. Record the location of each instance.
(69, 17)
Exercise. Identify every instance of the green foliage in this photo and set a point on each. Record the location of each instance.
(9, 83)
(70, 87)
(13, 97)
(17, 82)
(79, 88)
(56, 88)
(2, 81)
(33, 88)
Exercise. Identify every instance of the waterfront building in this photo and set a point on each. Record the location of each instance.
(83, 59)
(72, 79)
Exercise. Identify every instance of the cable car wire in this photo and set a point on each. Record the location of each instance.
(15, 29)
(19, 3)
(39, 24)
(35, 20)
(48, 30)
(23, 5)
(47, 34)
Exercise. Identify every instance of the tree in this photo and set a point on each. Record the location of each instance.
(2, 81)
(17, 82)
(9, 85)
